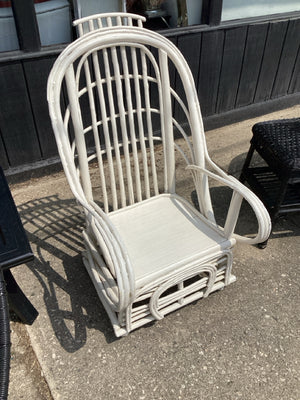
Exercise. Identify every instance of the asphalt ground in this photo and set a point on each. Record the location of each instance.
(240, 343)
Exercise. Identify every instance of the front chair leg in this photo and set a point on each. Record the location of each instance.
(263, 245)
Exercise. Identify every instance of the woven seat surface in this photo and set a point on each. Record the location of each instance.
(155, 248)
(279, 142)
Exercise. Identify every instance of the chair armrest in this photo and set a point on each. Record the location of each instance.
(106, 234)
(240, 192)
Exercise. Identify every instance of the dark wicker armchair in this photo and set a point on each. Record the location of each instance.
(277, 182)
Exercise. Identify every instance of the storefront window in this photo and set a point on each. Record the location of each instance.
(160, 14)
(54, 17)
(8, 34)
(235, 9)
(54, 21)
(183, 12)
(83, 8)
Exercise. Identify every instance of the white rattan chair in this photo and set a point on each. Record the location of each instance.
(148, 250)
(98, 21)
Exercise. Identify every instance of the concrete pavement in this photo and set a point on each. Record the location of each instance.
(241, 343)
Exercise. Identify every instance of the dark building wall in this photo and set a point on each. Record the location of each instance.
(244, 67)
(241, 69)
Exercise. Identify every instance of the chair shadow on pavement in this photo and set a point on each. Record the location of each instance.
(286, 225)
(53, 227)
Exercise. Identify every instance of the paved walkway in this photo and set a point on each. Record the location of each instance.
(241, 343)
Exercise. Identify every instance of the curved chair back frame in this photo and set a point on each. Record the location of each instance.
(113, 44)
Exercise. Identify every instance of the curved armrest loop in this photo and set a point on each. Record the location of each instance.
(240, 192)
(116, 249)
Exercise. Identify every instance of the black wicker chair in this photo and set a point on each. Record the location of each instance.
(277, 183)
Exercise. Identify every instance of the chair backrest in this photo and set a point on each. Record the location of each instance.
(110, 99)
(98, 21)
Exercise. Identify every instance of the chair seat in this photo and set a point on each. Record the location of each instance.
(163, 233)
(278, 142)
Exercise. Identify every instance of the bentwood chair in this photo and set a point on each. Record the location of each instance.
(148, 250)
(276, 179)
(98, 21)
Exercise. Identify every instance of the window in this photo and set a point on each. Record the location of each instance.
(27, 24)
(83, 8)
(54, 22)
(160, 14)
(183, 12)
(235, 9)
(8, 32)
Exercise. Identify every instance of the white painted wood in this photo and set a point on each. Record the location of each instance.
(164, 233)
(98, 21)
(141, 238)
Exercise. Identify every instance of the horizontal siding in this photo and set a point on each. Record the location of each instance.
(36, 73)
(233, 54)
(254, 50)
(295, 80)
(3, 157)
(287, 60)
(271, 59)
(210, 67)
(17, 125)
(190, 46)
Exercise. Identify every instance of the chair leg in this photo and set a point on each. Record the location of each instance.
(246, 163)
(242, 179)
(280, 198)
(263, 245)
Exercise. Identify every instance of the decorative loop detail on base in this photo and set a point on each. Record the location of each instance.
(182, 292)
